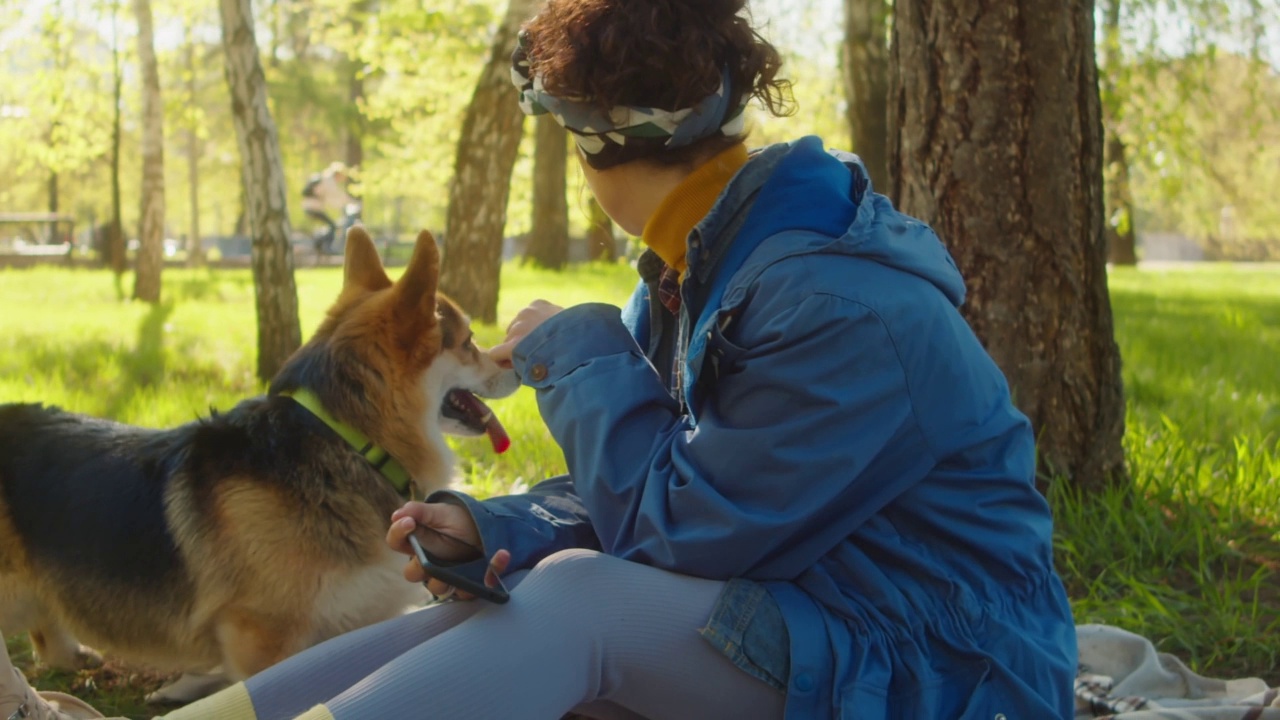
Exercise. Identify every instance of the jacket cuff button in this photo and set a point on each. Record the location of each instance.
(538, 372)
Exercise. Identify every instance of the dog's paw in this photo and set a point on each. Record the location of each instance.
(86, 658)
(74, 657)
(189, 687)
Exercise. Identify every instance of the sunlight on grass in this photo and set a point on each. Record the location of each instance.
(66, 339)
(1185, 555)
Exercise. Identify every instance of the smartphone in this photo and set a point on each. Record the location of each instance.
(468, 576)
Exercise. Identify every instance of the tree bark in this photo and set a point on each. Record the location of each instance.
(262, 171)
(150, 259)
(866, 84)
(997, 142)
(549, 238)
(601, 245)
(482, 176)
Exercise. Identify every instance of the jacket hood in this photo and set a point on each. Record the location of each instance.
(837, 199)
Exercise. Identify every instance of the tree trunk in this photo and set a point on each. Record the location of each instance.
(354, 155)
(150, 259)
(116, 250)
(53, 194)
(997, 142)
(549, 238)
(195, 248)
(354, 67)
(276, 15)
(866, 84)
(264, 191)
(1121, 232)
(60, 63)
(600, 242)
(482, 176)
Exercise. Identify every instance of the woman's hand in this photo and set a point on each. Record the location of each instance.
(447, 531)
(526, 321)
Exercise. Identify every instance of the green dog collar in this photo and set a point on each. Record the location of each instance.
(379, 458)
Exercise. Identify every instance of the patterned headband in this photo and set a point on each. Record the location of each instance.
(595, 130)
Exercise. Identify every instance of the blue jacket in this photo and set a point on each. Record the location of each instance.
(838, 438)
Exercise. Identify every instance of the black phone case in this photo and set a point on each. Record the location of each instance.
(468, 576)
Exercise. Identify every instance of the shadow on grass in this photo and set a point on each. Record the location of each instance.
(114, 376)
(205, 285)
(145, 364)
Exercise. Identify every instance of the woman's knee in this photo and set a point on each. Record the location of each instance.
(578, 573)
(574, 567)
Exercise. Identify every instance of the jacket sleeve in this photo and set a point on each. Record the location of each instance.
(531, 526)
(807, 432)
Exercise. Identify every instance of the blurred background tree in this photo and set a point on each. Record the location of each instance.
(1189, 92)
(1189, 98)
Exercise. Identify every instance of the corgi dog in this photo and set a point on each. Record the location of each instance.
(247, 536)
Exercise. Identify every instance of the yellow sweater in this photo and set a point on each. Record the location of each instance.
(686, 205)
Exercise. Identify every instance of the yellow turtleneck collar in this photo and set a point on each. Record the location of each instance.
(685, 206)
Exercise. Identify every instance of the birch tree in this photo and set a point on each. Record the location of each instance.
(150, 259)
(276, 295)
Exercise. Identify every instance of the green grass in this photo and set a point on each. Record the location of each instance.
(1185, 555)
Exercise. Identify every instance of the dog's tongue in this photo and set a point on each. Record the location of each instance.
(497, 434)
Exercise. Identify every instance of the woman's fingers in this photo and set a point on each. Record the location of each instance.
(525, 322)
(455, 535)
(497, 566)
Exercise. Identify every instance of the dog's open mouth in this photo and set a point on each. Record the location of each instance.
(466, 408)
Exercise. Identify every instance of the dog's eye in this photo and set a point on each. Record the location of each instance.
(468, 344)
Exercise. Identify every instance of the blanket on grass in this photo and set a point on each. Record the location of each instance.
(1122, 676)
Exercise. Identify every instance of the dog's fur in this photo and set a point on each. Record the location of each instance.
(245, 537)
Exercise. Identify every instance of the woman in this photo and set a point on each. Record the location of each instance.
(798, 487)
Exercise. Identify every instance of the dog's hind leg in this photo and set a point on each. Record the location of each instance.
(253, 641)
(20, 610)
(59, 648)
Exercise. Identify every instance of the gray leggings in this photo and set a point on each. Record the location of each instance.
(584, 632)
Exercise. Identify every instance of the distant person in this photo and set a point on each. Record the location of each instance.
(324, 191)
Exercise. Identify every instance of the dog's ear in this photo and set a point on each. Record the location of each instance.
(417, 287)
(362, 267)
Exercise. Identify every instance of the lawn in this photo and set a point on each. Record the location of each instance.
(1185, 555)
(1188, 554)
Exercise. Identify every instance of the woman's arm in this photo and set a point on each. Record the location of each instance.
(531, 526)
(809, 433)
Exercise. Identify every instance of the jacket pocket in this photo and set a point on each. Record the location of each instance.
(722, 354)
(747, 626)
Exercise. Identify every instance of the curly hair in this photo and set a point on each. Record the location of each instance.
(665, 54)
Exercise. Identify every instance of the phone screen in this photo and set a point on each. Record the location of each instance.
(468, 576)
